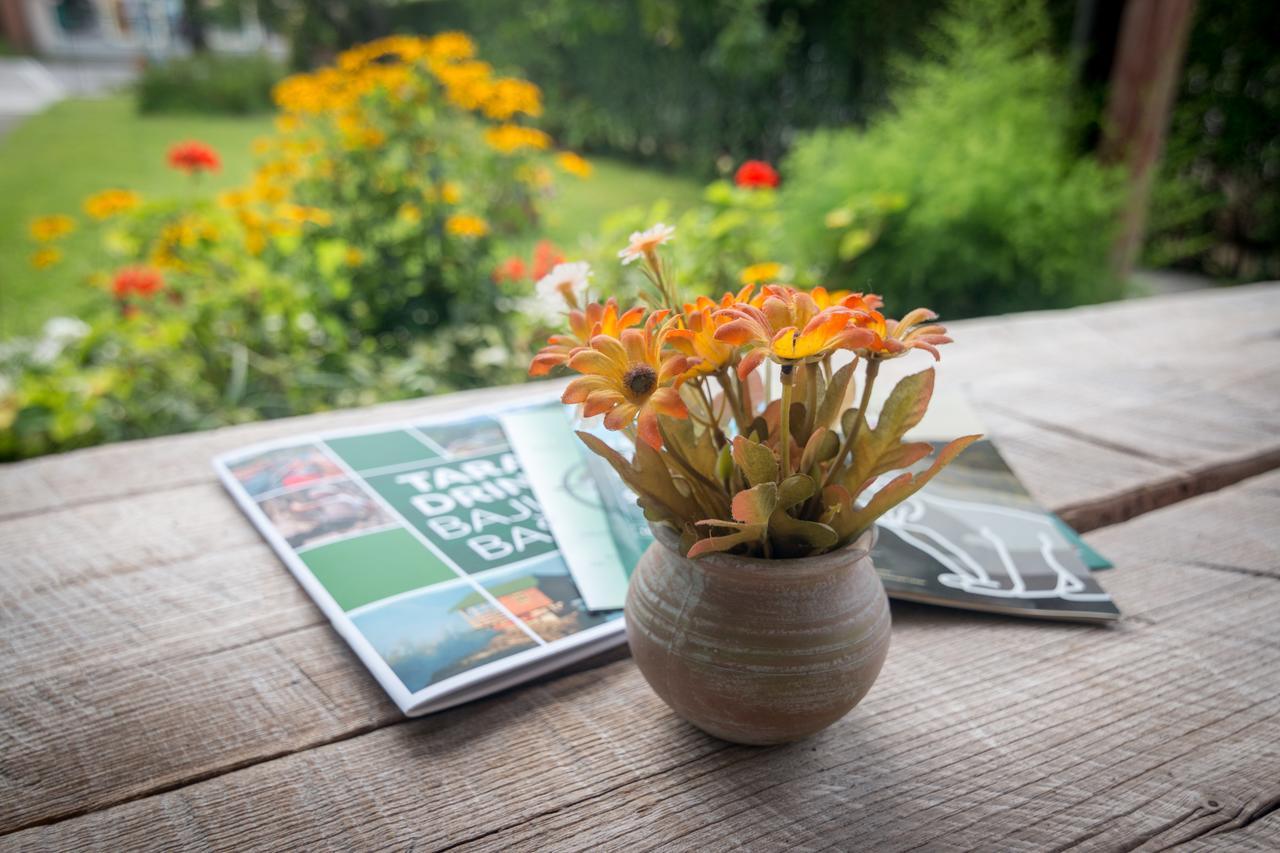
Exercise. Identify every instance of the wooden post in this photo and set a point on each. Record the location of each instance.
(1144, 81)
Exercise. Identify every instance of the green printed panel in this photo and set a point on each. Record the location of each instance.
(363, 452)
(365, 569)
(479, 511)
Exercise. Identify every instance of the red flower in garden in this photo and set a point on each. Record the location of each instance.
(193, 157)
(142, 281)
(754, 174)
(545, 258)
(512, 269)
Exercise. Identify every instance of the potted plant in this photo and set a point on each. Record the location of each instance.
(756, 614)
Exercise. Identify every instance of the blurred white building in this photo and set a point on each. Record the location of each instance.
(122, 29)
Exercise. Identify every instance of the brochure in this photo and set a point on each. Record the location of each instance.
(464, 554)
(425, 547)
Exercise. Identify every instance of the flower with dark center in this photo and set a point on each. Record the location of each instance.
(628, 380)
(640, 379)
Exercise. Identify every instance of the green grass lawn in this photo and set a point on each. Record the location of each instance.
(50, 162)
(580, 206)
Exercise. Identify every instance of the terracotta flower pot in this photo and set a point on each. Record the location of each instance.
(758, 651)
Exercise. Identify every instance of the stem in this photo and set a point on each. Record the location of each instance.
(811, 398)
(713, 420)
(785, 417)
(873, 367)
(739, 414)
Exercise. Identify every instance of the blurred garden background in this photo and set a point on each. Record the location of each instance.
(213, 211)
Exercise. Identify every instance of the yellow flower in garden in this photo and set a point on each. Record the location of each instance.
(757, 273)
(508, 96)
(45, 257)
(108, 203)
(509, 138)
(353, 257)
(466, 84)
(450, 45)
(255, 241)
(450, 192)
(303, 214)
(409, 213)
(234, 199)
(53, 227)
(466, 225)
(574, 164)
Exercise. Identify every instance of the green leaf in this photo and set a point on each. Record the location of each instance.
(756, 461)
(751, 511)
(793, 537)
(724, 464)
(905, 407)
(899, 489)
(836, 397)
(756, 504)
(822, 445)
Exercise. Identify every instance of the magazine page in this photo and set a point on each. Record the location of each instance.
(426, 548)
(973, 538)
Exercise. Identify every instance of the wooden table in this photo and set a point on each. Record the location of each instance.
(167, 684)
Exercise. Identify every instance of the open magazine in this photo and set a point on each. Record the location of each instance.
(463, 554)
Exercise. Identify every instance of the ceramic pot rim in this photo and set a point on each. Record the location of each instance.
(794, 567)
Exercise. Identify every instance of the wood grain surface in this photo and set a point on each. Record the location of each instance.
(166, 684)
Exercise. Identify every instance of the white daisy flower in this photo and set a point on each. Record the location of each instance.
(644, 242)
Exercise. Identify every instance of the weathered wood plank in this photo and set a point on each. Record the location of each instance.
(981, 727)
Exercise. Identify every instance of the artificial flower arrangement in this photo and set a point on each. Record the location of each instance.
(722, 458)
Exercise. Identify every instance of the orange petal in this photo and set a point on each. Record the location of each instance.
(611, 348)
(620, 416)
(648, 428)
(751, 361)
(579, 389)
(738, 332)
(596, 363)
(667, 401)
(601, 401)
(635, 342)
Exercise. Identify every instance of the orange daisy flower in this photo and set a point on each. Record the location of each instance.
(893, 338)
(628, 380)
(789, 327)
(584, 324)
(697, 338)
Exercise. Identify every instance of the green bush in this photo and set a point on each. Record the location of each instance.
(967, 196)
(235, 85)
